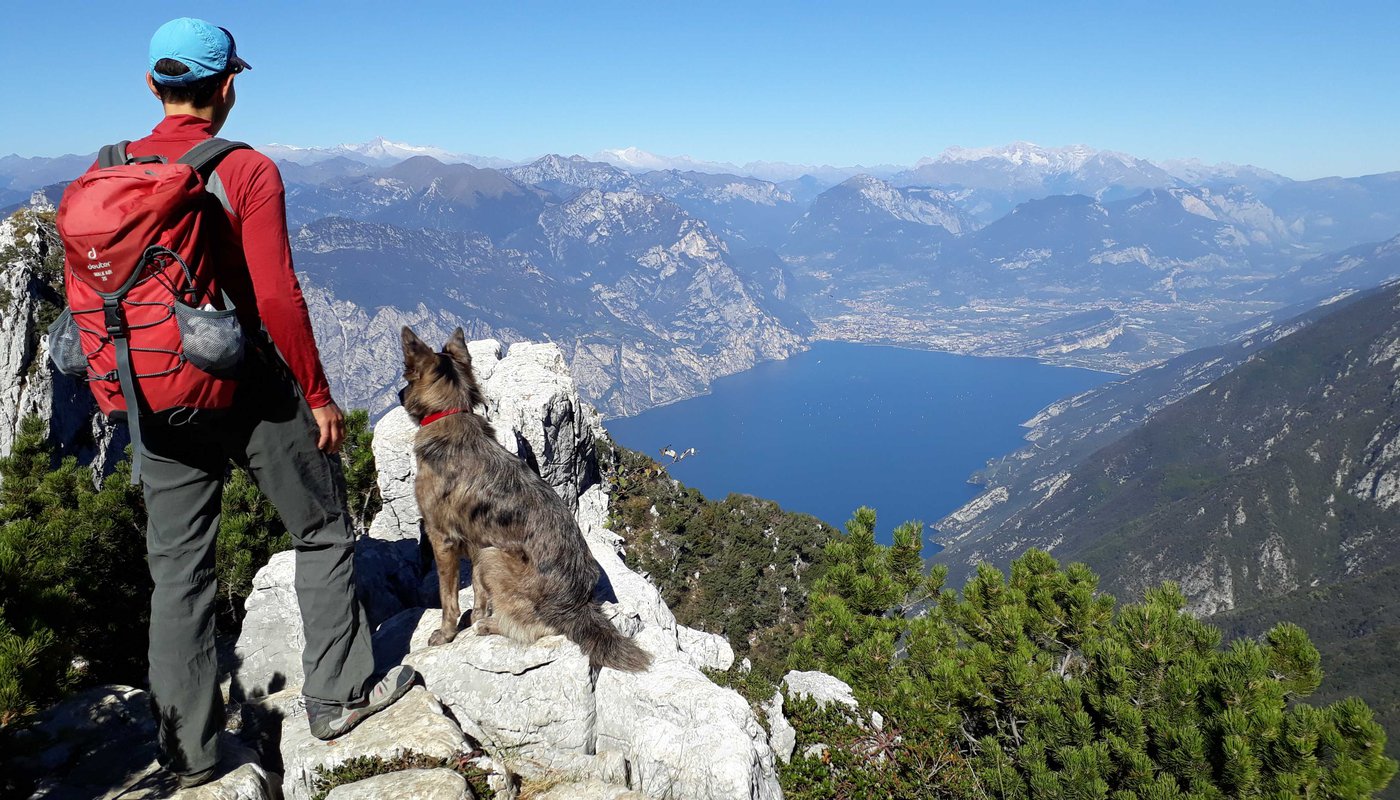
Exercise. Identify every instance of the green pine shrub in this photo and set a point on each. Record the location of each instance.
(361, 478)
(1036, 685)
(74, 589)
(74, 585)
(250, 533)
(740, 566)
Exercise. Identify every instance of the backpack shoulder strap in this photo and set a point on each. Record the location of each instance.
(207, 153)
(203, 157)
(112, 155)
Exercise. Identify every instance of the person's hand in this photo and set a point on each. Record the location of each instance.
(332, 424)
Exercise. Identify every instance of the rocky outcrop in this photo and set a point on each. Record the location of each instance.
(31, 296)
(819, 687)
(538, 711)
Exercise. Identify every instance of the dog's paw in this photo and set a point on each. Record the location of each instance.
(438, 637)
(486, 626)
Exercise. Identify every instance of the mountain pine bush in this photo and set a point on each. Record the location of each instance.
(74, 589)
(1037, 685)
(74, 586)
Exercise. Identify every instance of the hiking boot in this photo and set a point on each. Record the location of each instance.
(190, 780)
(329, 720)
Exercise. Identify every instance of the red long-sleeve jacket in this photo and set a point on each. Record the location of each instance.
(256, 269)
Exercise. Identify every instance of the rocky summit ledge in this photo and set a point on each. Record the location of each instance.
(538, 713)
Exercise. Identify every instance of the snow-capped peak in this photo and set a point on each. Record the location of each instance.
(634, 159)
(1028, 154)
(378, 151)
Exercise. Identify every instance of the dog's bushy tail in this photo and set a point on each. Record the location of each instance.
(605, 646)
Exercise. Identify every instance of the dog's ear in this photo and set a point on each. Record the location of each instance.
(456, 349)
(416, 354)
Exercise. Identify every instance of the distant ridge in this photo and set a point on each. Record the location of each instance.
(378, 151)
(1020, 155)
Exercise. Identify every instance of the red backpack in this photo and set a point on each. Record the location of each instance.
(147, 323)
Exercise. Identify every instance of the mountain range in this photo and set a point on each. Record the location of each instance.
(658, 276)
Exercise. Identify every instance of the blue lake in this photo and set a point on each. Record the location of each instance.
(844, 425)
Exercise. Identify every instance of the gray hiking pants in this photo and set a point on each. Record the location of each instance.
(272, 434)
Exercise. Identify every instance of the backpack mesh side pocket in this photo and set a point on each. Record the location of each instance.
(212, 339)
(65, 351)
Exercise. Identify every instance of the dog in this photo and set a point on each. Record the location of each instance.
(532, 574)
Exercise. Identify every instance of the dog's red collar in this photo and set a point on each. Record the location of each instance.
(434, 417)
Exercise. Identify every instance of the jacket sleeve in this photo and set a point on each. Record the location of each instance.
(263, 224)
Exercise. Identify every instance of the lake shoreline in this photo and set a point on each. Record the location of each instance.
(904, 428)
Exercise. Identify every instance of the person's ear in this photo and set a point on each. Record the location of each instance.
(226, 93)
(151, 84)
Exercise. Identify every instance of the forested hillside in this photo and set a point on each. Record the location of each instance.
(741, 566)
(1271, 494)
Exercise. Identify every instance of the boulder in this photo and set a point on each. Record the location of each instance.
(485, 353)
(821, 687)
(415, 724)
(538, 415)
(782, 737)
(396, 467)
(683, 736)
(408, 631)
(705, 650)
(267, 656)
(409, 784)
(240, 778)
(531, 708)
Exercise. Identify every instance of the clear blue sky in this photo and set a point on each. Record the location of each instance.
(1306, 89)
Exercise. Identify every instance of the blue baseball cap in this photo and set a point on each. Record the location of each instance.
(205, 48)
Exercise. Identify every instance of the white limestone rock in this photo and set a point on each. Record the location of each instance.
(682, 735)
(587, 790)
(821, 687)
(416, 723)
(538, 415)
(409, 784)
(268, 651)
(408, 632)
(705, 650)
(782, 737)
(531, 708)
(100, 743)
(397, 467)
(240, 777)
(28, 382)
(485, 354)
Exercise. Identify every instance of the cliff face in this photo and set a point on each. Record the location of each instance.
(646, 301)
(31, 264)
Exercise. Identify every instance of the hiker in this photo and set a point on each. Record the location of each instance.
(268, 408)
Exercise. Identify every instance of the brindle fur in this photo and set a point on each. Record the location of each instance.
(532, 574)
